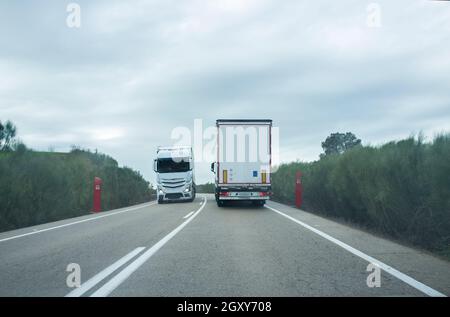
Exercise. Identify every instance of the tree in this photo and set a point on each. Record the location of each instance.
(338, 143)
(7, 135)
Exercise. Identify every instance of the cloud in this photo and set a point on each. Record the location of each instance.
(135, 71)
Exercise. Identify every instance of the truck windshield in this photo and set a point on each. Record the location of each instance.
(169, 165)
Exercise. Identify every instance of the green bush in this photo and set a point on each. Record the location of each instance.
(37, 187)
(207, 188)
(401, 188)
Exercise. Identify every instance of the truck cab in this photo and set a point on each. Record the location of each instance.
(175, 178)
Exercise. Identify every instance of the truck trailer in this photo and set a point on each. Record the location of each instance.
(243, 166)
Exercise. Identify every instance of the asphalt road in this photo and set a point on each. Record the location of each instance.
(198, 249)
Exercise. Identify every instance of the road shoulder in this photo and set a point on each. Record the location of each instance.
(428, 269)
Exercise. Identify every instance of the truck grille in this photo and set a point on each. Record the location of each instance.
(173, 183)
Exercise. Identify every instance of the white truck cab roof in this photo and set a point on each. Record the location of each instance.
(176, 151)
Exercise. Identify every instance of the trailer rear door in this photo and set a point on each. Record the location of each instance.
(244, 151)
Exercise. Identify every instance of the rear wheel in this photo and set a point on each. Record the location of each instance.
(258, 203)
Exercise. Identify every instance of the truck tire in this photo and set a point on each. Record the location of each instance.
(194, 194)
(220, 203)
(258, 203)
(160, 201)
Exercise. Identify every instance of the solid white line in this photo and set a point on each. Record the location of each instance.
(113, 283)
(388, 269)
(188, 215)
(75, 222)
(103, 274)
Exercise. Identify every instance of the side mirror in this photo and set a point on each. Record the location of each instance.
(212, 167)
(155, 165)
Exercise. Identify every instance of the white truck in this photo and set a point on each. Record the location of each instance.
(175, 178)
(244, 157)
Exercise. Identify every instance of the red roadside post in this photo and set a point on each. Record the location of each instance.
(97, 206)
(298, 189)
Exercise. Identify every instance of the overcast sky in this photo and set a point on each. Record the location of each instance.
(136, 70)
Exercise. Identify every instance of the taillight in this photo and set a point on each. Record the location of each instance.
(225, 194)
(264, 194)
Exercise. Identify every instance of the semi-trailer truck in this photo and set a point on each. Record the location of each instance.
(243, 166)
(175, 177)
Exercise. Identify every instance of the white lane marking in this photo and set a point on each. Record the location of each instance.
(113, 283)
(388, 269)
(103, 274)
(188, 215)
(75, 222)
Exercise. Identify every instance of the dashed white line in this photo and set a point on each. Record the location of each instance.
(75, 222)
(103, 274)
(188, 215)
(113, 283)
(388, 269)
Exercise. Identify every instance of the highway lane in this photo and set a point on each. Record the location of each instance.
(198, 249)
(35, 265)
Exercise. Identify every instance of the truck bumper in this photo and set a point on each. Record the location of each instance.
(243, 193)
(175, 196)
(242, 199)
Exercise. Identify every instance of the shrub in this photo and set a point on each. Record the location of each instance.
(401, 188)
(37, 187)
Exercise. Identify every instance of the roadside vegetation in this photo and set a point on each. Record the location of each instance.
(207, 188)
(401, 189)
(39, 187)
